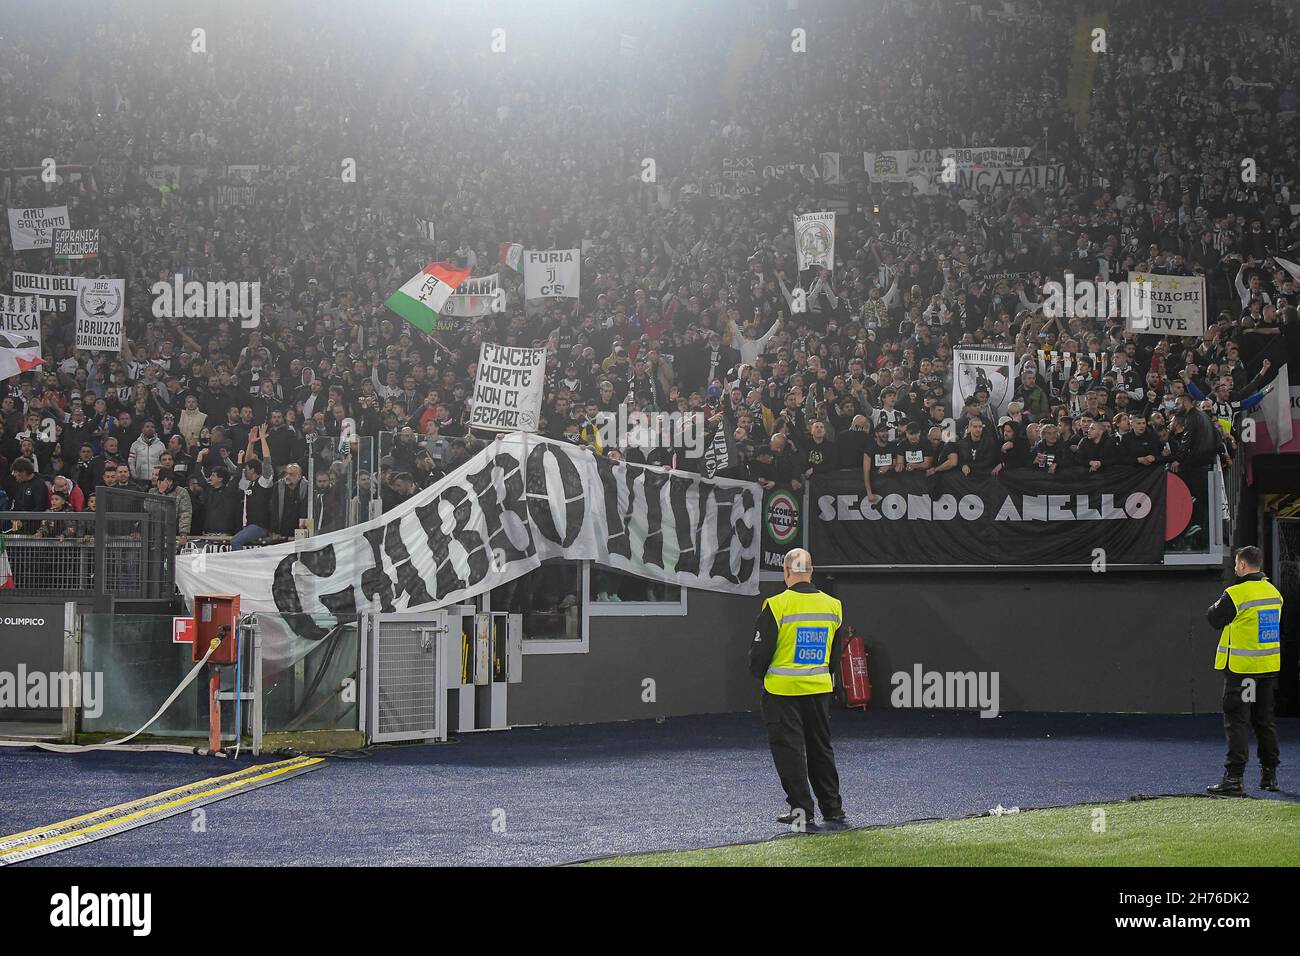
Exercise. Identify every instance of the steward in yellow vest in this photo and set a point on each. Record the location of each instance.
(1249, 616)
(796, 654)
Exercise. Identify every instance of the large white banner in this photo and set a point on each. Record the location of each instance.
(520, 501)
(814, 239)
(990, 178)
(1166, 305)
(20, 329)
(555, 274)
(508, 388)
(990, 369)
(100, 314)
(905, 165)
(34, 228)
(53, 293)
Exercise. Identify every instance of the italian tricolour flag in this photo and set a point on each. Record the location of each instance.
(422, 296)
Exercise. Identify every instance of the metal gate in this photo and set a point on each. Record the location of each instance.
(1286, 555)
(408, 672)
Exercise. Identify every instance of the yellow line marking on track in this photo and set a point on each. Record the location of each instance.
(123, 807)
(213, 787)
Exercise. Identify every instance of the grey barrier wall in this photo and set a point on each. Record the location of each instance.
(31, 640)
(1120, 642)
(1127, 642)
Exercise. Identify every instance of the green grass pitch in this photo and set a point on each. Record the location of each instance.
(1176, 831)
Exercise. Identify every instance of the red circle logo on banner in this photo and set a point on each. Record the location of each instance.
(1178, 506)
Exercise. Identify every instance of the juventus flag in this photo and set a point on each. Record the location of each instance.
(721, 453)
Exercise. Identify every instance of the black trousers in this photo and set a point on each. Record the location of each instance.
(1240, 716)
(799, 733)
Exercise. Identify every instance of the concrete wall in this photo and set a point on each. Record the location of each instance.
(1125, 642)
(1118, 642)
(697, 663)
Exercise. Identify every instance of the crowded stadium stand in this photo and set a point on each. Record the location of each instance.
(842, 237)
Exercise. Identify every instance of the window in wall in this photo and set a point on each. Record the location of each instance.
(613, 593)
(551, 602)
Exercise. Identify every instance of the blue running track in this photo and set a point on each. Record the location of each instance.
(569, 793)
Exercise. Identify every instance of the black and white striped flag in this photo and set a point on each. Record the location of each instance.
(424, 228)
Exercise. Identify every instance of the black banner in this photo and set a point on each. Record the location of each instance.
(782, 527)
(1021, 517)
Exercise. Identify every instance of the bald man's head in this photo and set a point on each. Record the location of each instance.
(797, 566)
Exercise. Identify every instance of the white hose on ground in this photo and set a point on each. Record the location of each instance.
(117, 744)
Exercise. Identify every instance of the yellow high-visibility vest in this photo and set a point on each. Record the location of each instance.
(806, 625)
(1252, 643)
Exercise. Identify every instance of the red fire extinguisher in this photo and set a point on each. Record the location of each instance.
(854, 681)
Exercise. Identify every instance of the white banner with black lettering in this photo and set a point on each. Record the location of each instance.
(814, 239)
(555, 274)
(34, 228)
(20, 329)
(99, 314)
(1166, 305)
(990, 178)
(508, 388)
(904, 165)
(520, 501)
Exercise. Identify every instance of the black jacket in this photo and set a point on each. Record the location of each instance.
(224, 508)
(982, 456)
(1134, 446)
(1017, 456)
(1200, 442)
(287, 508)
(1222, 612)
(259, 502)
(763, 647)
(851, 444)
(1104, 451)
(286, 445)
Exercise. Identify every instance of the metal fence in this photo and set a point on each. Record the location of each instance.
(347, 496)
(125, 548)
(322, 689)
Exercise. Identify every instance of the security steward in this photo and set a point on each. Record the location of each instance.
(795, 652)
(1250, 654)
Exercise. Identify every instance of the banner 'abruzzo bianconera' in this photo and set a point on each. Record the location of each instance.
(1020, 517)
(99, 314)
(519, 502)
